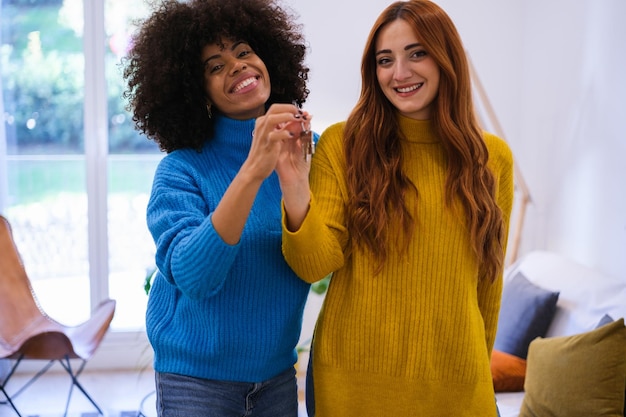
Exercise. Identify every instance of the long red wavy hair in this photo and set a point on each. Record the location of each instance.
(378, 187)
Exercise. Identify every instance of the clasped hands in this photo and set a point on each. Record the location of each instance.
(282, 140)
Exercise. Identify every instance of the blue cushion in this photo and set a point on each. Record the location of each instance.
(525, 314)
(606, 319)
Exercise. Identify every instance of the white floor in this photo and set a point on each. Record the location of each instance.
(116, 392)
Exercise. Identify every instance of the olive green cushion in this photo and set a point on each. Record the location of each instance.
(577, 376)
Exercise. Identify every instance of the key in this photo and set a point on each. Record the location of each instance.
(308, 146)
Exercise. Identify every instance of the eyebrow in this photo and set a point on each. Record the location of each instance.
(216, 56)
(406, 48)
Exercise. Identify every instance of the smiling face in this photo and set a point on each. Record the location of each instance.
(406, 73)
(236, 80)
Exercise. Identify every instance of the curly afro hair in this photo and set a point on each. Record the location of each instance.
(164, 70)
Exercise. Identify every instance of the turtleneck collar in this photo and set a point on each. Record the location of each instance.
(417, 131)
(233, 133)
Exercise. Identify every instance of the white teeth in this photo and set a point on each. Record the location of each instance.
(409, 89)
(243, 84)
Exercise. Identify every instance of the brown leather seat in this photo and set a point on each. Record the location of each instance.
(28, 333)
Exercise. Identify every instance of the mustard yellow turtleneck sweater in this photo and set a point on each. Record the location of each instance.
(416, 339)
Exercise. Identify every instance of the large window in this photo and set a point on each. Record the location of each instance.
(74, 174)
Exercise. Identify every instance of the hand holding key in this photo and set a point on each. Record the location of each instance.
(306, 142)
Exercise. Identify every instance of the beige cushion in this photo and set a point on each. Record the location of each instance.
(577, 376)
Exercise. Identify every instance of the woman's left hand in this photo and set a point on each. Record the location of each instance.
(294, 161)
(292, 167)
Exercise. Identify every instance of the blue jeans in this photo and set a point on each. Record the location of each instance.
(309, 393)
(185, 396)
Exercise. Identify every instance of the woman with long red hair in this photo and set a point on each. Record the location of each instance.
(407, 204)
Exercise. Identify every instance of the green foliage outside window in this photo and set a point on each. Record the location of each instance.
(42, 70)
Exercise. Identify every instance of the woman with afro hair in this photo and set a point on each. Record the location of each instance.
(218, 86)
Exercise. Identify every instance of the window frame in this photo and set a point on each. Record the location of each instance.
(122, 349)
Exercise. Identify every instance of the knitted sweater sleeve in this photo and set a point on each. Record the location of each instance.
(489, 294)
(317, 248)
(189, 252)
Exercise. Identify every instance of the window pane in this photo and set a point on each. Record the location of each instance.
(42, 152)
(132, 161)
(131, 248)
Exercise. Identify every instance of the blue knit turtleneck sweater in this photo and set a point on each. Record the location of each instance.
(219, 311)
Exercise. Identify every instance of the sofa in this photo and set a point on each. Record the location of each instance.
(560, 348)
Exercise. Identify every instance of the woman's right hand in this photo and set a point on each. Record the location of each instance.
(280, 125)
(270, 132)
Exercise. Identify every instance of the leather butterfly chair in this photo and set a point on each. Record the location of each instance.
(28, 333)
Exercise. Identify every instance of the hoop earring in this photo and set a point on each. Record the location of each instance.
(208, 111)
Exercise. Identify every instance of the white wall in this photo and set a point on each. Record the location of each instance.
(572, 140)
(554, 73)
